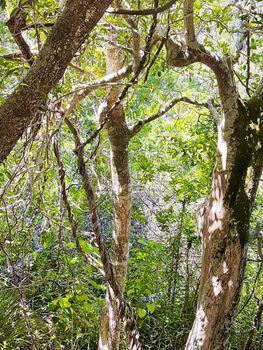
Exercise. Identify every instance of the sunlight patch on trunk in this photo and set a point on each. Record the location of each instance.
(217, 286)
(103, 346)
(222, 146)
(198, 332)
(230, 284)
(225, 267)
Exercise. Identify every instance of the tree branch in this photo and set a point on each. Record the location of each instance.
(37, 25)
(137, 127)
(255, 326)
(132, 81)
(16, 55)
(189, 23)
(252, 290)
(136, 38)
(257, 99)
(146, 12)
(90, 87)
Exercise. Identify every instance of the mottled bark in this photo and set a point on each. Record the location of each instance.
(225, 218)
(118, 134)
(71, 29)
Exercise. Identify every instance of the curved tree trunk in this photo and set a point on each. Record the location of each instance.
(225, 218)
(227, 214)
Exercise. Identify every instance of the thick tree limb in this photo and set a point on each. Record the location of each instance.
(257, 99)
(132, 81)
(136, 37)
(141, 65)
(189, 23)
(88, 88)
(77, 20)
(146, 12)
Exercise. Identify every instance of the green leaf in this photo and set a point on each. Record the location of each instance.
(70, 245)
(141, 313)
(64, 303)
(97, 286)
(83, 297)
(88, 307)
(131, 291)
(151, 307)
(198, 5)
(74, 260)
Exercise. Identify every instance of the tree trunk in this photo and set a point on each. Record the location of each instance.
(76, 22)
(118, 134)
(226, 218)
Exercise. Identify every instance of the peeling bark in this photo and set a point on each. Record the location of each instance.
(77, 20)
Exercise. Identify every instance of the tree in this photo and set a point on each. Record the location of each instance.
(68, 33)
(226, 215)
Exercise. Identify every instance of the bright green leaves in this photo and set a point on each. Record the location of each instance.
(64, 302)
(83, 297)
(143, 312)
(71, 301)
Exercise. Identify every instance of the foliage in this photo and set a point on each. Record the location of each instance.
(50, 297)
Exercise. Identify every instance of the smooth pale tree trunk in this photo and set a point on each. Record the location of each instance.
(226, 215)
(118, 134)
(75, 23)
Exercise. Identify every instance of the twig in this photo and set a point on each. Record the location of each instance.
(248, 62)
(154, 59)
(255, 326)
(137, 127)
(71, 218)
(252, 291)
(37, 25)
